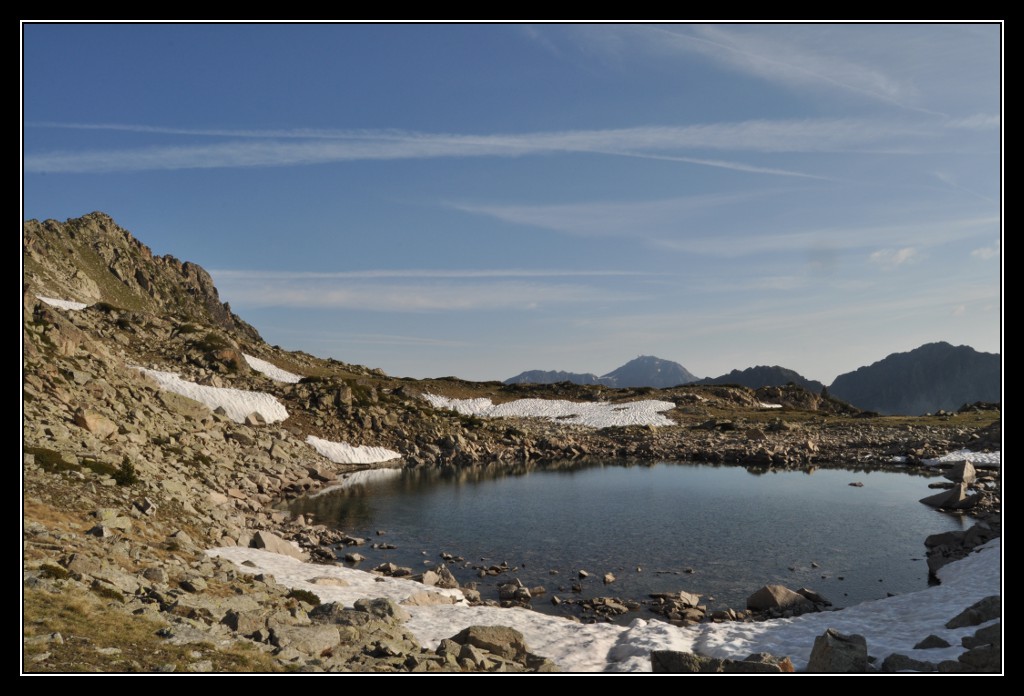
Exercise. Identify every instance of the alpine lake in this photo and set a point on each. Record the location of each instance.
(716, 530)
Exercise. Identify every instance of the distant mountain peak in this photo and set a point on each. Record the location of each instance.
(643, 371)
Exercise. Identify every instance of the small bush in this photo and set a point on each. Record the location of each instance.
(304, 596)
(125, 474)
(49, 570)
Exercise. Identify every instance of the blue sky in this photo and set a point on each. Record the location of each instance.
(479, 200)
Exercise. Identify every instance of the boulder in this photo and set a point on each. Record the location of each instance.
(382, 608)
(96, 423)
(275, 544)
(500, 640)
(932, 641)
(901, 663)
(836, 652)
(983, 610)
(963, 472)
(778, 597)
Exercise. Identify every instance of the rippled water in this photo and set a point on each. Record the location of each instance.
(716, 530)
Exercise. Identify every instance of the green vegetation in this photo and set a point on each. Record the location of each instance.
(212, 341)
(304, 596)
(87, 622)
(50, 570)
(125, 474)
(50, 461)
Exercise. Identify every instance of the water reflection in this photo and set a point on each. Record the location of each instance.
(736, 527)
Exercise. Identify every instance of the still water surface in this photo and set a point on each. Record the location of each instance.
(719, 531)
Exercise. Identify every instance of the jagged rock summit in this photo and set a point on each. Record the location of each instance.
(92, 259)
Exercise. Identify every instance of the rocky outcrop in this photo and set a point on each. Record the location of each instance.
(92, 259)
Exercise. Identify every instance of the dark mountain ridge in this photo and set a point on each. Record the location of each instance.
(765, 376)
(932, 377)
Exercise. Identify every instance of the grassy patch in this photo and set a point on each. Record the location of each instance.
(211, 342)
(50, 570)
(86, 623)
(50, 460)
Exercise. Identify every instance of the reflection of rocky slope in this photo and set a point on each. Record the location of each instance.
(125, 484)
(933, 377)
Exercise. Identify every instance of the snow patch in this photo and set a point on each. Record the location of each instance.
(237, 403)
(63, 304)
(983, 459)
(890, 625)
(344, 453)
(592, 414)
(270, 370)
(764, 405)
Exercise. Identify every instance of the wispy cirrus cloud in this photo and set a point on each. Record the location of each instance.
(985, 253)
(783, 56)
(657, 223)
(876, 64)
(405, 273)
(390, 293)
(255, 148)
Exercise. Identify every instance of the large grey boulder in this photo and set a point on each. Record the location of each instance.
(778, 597)
(836, 652)
(96, 423)
(983, 610)
(500, 640)
(275, 544)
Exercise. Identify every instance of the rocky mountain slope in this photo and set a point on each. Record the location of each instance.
(936, 376)
(127, 483)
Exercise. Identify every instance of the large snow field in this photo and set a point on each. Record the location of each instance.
(890, 625)
(592, 414)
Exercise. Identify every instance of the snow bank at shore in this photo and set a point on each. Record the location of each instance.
(270, 370)
(592, 414)
(343, 453)
(236, 402)
(982, 459)
(890, 625)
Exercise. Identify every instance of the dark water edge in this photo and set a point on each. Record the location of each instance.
(717, 530)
